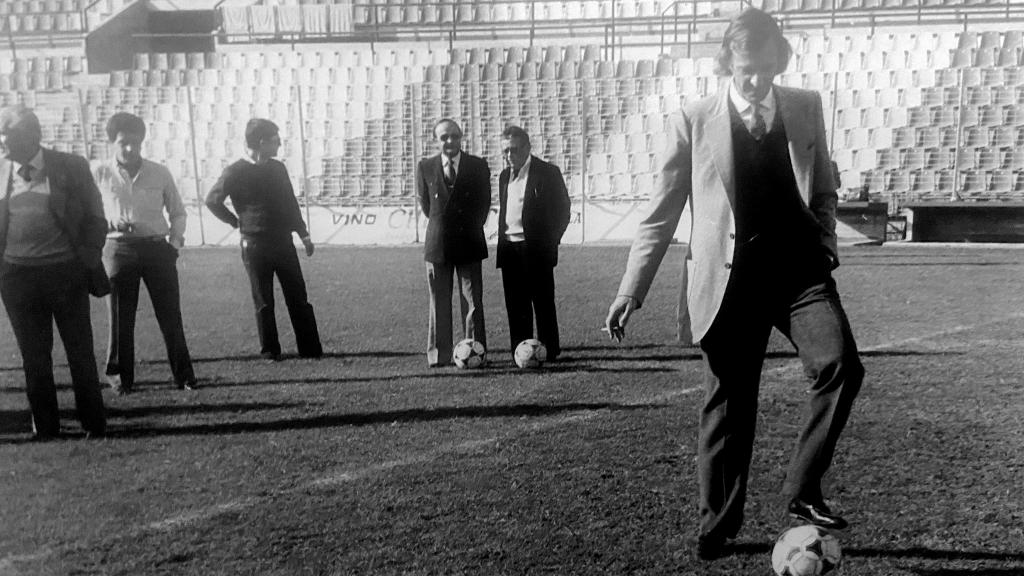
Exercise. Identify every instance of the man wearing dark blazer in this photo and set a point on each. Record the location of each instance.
(454, 189)
(51, 237)
(753, 163)
(532, 217)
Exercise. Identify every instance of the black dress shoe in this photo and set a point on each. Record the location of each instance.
(816, 513)
(710, 548)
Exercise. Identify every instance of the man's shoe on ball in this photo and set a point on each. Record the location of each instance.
(816, 513)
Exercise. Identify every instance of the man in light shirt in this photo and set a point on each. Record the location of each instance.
(753, 163)
(141, 246)
(533, 214)
(51, 237)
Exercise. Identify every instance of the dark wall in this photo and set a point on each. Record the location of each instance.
(966, 222)
(139, 29)
(113, 45)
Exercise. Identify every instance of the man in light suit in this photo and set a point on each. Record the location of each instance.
(532, 216)
(753, 164)
(51, 237)
(454, 189)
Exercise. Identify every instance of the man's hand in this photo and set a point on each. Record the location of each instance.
(309, 245)
(178, 243)
(618, 315)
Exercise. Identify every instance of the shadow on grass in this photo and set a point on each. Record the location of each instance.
(18, 421)
(285, 357)
(412, 415)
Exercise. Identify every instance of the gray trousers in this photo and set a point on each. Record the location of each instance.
(439, 324)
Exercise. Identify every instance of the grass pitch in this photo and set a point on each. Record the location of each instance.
(368, 462)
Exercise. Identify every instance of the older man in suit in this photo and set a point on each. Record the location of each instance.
(752, 162)
(454, 189)
(532, 217)
(51, 237)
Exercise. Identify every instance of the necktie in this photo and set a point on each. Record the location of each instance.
(759, 128)
(449, 173)
(515, 173)
(25, 172)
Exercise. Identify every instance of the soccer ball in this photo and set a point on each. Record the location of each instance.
(806, 551)
(530, 353)
(469, 354)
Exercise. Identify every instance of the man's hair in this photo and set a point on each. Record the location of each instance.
(258, 130)
(512, 131)
(127, 123)
(751, 31)
(21, 115)
(433, 132)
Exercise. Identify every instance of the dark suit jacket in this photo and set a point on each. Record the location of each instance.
(74, 201)
(545, 212)
(455, 230)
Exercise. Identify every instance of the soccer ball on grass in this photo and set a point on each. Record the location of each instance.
(530, 354)
(469, 354)
(806, 551)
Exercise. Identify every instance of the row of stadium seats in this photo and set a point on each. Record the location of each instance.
(42, 6)
(805, 6)
(607, 125)
(360, 57)
(25, 24)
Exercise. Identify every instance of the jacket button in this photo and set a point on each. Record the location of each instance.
(728, 265)
(732, 236)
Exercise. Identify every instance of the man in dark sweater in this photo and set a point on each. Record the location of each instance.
(753, 163)
(267, 213)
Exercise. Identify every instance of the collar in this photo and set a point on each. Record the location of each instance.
(36, 163)
(524, 171)
(744, 107)
(445, 161)
(127, 168)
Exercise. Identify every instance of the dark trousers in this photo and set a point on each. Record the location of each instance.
(529, 290)
(811, 316)
(471, 298)
(37, 297)
(153, 262)
(263, 258)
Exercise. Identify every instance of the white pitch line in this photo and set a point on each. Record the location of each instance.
(343, 477)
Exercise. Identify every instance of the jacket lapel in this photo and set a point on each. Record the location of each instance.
(56, 179)
(719, 132)
(801, 140)
(530, 191)
(6, 167)
(442, 188)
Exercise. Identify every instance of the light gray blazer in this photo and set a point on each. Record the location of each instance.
(697, 167)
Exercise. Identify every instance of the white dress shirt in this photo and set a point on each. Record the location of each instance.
(141, 201)
(514, 197)
(768, 106)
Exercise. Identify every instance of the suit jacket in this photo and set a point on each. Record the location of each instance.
(74, 201)
(455, 229)
(545, 212)
(697, 167)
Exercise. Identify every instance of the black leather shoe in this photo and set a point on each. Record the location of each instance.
(709, 548)
(816, 513)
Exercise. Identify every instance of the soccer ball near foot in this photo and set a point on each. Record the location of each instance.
(806, 551)
(530, 354)
(469, 354)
